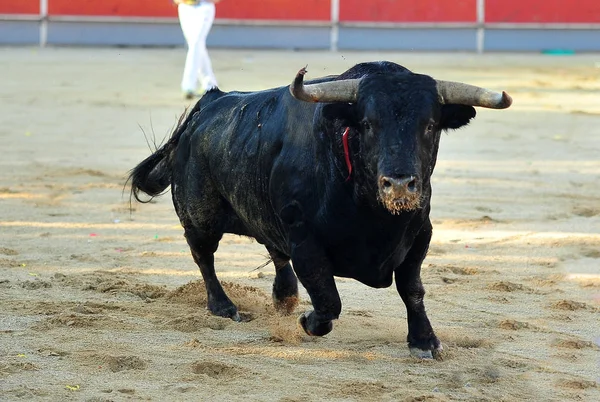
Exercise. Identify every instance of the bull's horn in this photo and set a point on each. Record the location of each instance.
(330, 91)
(465, 94)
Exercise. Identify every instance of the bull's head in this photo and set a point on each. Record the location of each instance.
(399, 118)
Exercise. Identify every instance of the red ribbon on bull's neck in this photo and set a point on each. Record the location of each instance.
(347, 152)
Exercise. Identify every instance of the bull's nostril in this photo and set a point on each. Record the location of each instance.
(386, 183)
(412, 186)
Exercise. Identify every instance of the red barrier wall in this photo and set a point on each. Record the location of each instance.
(512, 11)
(408, 10)
(565, 11)
(20, 7)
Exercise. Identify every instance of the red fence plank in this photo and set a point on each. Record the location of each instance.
(309, 10)
(20, 7)
(113, 8)
(305, 10)
(539, 11)
(408, 10)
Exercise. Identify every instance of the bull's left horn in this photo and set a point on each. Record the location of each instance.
(330, 91)
(465, 94)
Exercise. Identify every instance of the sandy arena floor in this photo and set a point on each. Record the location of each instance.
(100, 304)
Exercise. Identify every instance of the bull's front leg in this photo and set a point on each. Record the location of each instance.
(422, 341)
(316, 277)
(313, 269)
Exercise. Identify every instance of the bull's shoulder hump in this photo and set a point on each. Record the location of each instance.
(266, 93)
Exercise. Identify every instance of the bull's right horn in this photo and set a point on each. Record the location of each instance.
(330, 91)
(465, 94)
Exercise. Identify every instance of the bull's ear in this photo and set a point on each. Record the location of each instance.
(456, 116)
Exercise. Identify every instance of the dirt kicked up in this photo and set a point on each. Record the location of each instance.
(100, 302)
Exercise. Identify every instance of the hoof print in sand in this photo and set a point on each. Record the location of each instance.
(35, 285)
(577, 384)
(504, 286)
(215, 369)
(575, 344)
(514, 325)
(571, 305)
(122, 363)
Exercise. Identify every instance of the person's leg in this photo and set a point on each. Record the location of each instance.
(207, 75)
(191, 26)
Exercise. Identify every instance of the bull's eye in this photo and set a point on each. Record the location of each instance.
(430, 127)
(366, 125)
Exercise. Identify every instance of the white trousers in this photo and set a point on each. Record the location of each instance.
(196, 21)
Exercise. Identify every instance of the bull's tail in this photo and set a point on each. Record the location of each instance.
(153, 175)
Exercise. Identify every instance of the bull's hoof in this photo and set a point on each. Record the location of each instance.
(427, 354)
(436, 353)
(286, 305)
(224, 309)
(311, 327)
(428, 348)
(303, 323)
(421, 354)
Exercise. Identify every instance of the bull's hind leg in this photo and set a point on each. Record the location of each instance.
(203, 222)
(285, 286)
(422, 341)
(218, 303)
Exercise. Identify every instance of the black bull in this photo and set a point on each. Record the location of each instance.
(333, 175)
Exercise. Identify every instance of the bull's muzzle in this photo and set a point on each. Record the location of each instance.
(400, 194)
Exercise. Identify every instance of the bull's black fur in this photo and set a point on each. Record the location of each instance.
(266, 165)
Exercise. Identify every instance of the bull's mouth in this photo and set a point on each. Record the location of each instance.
(397, 205)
